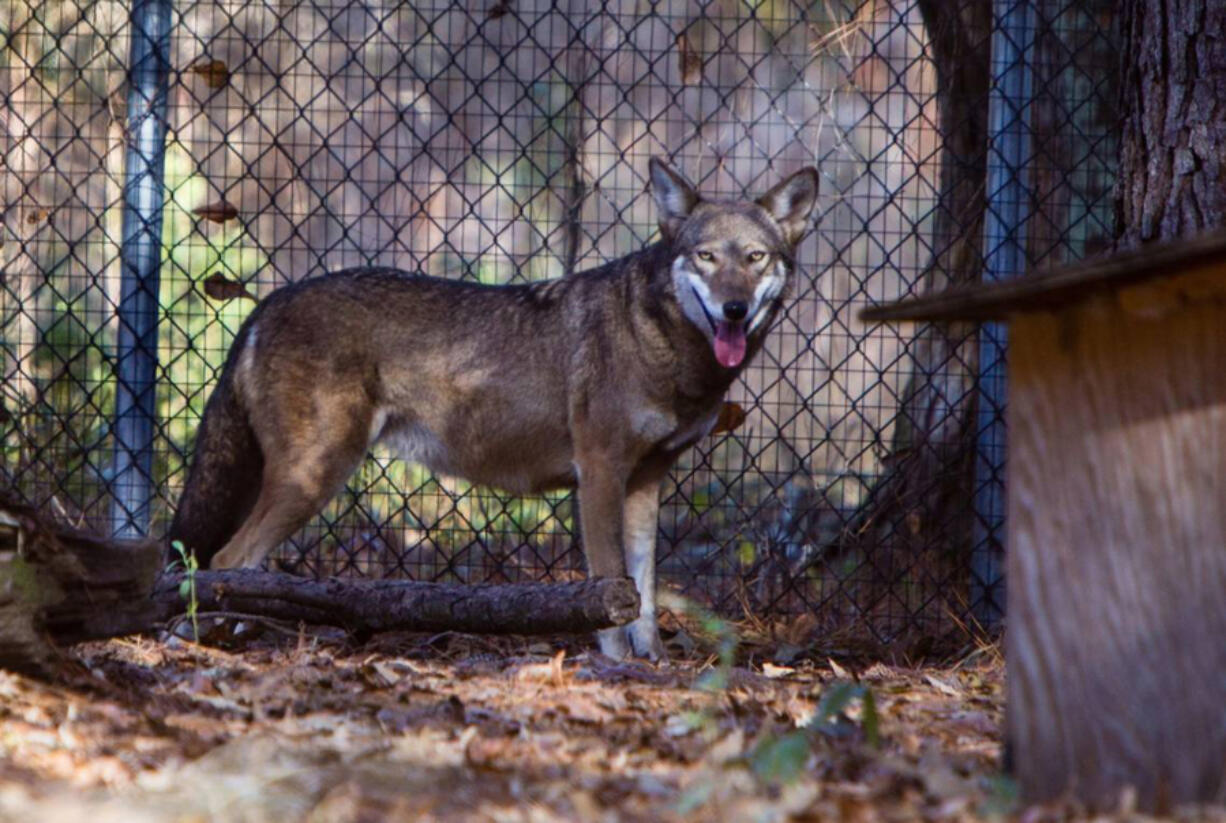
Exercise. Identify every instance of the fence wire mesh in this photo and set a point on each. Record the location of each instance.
(509, 141)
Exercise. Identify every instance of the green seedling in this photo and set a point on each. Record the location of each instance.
(782, 758)
(830, 720)
(187, 587)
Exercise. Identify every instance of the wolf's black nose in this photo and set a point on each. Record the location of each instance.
(735, 310)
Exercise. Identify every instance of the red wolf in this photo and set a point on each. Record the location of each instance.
(599, 379)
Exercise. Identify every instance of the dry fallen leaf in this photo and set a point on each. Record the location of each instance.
(219, 211)
(688, 61)
(773, 671)
(491, 753)
(214, 73)
(533, 673)
(269, 724)
(731, 416)
(582, 708)
(942, 686)
(728, 747)
(877, 671)
(380, 674)
(220, 287)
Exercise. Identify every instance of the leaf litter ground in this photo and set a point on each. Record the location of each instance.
(314, 728)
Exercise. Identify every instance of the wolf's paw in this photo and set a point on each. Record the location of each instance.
(639, 639)
(644, 637)
(613, 643)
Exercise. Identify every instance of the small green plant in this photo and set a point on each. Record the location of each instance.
(1002, 797)
(187, 587)
(777, 758)
(722, 631)
(830, 720)
(727, 640)
(782, 758)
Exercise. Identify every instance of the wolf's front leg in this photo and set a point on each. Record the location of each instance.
(602, 493)
(641, 524)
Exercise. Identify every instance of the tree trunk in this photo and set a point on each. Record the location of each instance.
(1073, 116)
(1171, 177)
(920, 505)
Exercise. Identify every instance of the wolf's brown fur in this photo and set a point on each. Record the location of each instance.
(599, 379)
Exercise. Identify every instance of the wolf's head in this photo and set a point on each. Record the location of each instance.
(733, 257)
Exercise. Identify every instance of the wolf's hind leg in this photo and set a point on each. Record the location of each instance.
(295, 487)
(279, 512)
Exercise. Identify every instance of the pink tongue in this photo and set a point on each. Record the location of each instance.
(729, 344)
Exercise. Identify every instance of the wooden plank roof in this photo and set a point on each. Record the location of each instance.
(1058, 287)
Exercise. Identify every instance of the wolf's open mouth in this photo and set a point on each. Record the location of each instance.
(730, 342)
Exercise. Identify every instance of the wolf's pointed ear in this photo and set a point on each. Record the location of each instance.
(791, 202)
(675, 197)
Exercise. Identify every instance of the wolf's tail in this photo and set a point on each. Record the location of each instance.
(224, 478)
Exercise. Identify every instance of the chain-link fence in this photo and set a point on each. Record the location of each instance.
(508, 140)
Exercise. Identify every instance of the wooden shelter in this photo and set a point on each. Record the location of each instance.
(1116, 528)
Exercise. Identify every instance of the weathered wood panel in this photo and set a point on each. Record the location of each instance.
(1057, 288)
(1116, 640)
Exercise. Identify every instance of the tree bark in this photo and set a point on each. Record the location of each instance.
(81, 578)
(366, 606)
(1172, 182)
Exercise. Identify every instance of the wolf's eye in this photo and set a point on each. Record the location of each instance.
(705, 256)
(755, 256)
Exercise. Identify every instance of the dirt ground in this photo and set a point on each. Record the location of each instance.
(312, 727)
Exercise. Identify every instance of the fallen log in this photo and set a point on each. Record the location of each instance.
(369, 606)
(82, 578)
(60, 585)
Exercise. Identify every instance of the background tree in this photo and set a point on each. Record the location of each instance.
(921, 504)
(1173, 64)
(918, 517)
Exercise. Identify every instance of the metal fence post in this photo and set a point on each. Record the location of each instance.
(1004, 243)
(136, 362)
